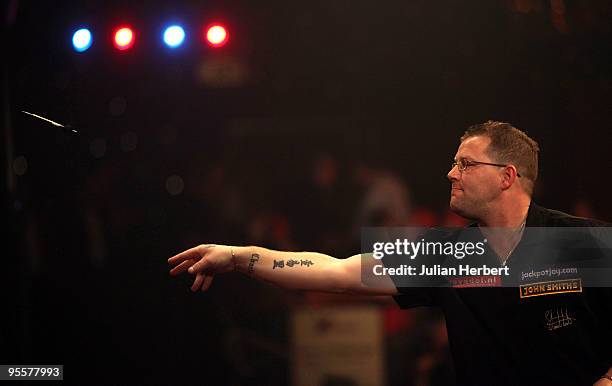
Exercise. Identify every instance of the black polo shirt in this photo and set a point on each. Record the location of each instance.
(496, 337)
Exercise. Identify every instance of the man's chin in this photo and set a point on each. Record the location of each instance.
(454, 205)
(459, 210)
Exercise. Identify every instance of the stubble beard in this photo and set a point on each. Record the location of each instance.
(463, 208)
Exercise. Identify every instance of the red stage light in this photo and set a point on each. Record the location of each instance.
(124, 38)
(216, 35)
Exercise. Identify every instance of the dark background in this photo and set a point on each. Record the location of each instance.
(220, 145)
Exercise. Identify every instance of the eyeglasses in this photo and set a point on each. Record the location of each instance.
(463, 164)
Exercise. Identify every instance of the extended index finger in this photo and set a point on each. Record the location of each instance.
(191, 253)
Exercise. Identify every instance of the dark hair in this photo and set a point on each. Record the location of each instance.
(509, 145)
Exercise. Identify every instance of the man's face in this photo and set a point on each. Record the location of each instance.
(477, 186)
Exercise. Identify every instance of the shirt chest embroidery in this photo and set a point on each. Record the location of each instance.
(557, 318)
(550, 288)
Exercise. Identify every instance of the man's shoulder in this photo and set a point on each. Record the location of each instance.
(543, 217)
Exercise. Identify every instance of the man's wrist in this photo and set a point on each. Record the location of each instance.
(242, 257)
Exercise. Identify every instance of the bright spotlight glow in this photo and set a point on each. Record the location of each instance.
(174, 36)
(81, 40)
(124, 38)
(216, 35)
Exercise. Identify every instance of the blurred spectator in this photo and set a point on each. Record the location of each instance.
(271, 229)
(323, 220)
(386, 198)
(423, 217)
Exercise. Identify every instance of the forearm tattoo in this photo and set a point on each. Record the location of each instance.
(291, 263)
(254, 259)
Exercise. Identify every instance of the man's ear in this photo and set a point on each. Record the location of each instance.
(509, 176)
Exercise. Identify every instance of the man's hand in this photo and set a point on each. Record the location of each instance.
(203, 261)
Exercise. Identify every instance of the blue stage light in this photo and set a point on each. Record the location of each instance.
(174, 36)
(81, 40)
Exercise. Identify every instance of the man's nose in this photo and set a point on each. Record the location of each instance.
(454, 174)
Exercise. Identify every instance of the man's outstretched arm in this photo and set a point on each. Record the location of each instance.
(307, 271)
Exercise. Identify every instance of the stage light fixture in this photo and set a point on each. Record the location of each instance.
(81, 40)
(124, 38)
(216, 35)
(174, 36)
